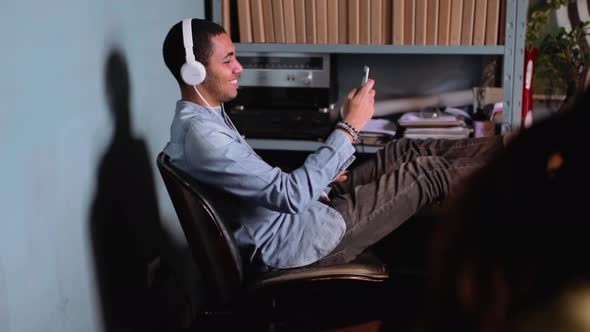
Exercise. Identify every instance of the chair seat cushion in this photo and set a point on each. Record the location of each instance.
(366, 267)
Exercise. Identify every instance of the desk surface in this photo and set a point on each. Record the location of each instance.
(301, 145)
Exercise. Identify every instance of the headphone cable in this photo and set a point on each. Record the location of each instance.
(202, 98)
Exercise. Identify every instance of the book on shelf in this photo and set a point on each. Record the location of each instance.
(398, 24)
(376, 22)
(386, 19)
(479, 24)
(409, 21)
(310, 22)
(333, 15)
(289, 11)
(492, 21)
(321, 10)
(267, 16)
(455, 23)
(278, 19)
(432, 22)
(421, 16)
(342, 22)
(257, 21)
(364, 22)
(353, 21)
(300, 21)
(244, 21)
(444, 21)
(226, 17)
(502, 23)
(467, 22)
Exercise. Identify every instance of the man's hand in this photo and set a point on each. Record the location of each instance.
(359, 106)
(342, 177)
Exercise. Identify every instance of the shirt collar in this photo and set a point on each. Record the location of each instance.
(183, 104)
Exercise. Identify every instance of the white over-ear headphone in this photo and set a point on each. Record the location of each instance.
(192, 72)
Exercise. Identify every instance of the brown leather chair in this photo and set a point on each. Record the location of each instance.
(273, 297)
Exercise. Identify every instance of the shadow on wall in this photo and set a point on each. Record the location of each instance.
(126, 231)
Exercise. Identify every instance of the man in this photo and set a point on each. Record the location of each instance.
(284, 220)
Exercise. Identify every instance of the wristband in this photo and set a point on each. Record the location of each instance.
(349, 129)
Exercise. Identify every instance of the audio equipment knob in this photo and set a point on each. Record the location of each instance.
(308, 78)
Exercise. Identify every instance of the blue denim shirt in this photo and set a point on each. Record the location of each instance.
(274, 215)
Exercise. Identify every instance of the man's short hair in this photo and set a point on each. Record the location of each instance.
(173, 48)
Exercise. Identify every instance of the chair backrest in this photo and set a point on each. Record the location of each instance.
(212, 244)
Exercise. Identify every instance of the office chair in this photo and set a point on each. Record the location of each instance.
(271, 297)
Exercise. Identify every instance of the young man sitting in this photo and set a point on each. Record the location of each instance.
(284, 220)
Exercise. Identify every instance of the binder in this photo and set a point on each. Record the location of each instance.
(502, 23)
(353, 21)
(398, 25)
(456, 18)
(267, 16)
(387, 21)
(289, 11)
(420, 19)
(300, 19)
(444, 22)
(244, 21)
(409, 21)
(321, 7)
(257, 21)
(376, 22)
(432, 22)
(310, 22)
(364, 21)
(467, 22)
(333, 15)
(342, 21)
(492, 19)
(278, 21)
(226, 17)
(479, 24)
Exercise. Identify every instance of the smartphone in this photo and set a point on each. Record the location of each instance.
(365, 75)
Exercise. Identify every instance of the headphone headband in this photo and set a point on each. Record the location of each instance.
(187, 37)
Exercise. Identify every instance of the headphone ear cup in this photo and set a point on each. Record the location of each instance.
(193, 73)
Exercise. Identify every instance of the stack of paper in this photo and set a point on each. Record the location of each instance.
(378, 132)
(442, 132)
(380, 126)
(433, 124)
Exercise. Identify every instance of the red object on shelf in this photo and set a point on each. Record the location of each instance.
(530, 56)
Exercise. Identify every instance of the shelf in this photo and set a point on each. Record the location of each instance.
(301, 145)
(370, 49)
(512, 53)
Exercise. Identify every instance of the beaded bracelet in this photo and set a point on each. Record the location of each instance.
(349, 129)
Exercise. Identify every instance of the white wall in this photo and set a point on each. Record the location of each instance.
(55, 126)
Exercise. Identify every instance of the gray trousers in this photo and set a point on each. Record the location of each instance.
(403, 177)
